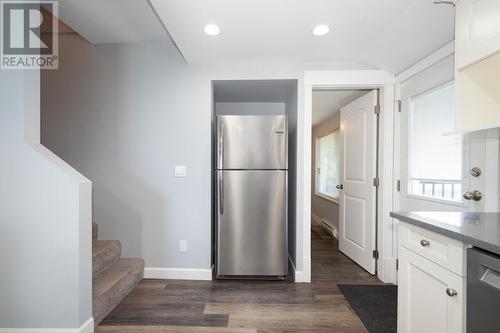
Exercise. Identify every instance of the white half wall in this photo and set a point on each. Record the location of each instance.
(45, 221)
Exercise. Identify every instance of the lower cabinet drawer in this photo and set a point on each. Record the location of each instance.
(430, 297)
(445, 251)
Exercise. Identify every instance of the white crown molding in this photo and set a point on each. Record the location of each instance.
(177, 273)
(87, 327)
(433, 58)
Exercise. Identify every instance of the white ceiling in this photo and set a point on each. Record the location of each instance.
(325, 103)
(388, 34)
(112, 21)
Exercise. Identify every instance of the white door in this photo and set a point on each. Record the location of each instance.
(357, 227)
(430, 297)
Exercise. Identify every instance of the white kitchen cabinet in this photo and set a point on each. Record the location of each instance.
(477, 62)
(477, 30)
(430, 297)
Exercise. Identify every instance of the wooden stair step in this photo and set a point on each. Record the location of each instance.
(112, 285)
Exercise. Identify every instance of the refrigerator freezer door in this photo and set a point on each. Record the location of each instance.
(252, 234)
(251, 142)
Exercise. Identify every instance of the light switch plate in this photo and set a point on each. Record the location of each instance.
(180, 171)
(183, 247)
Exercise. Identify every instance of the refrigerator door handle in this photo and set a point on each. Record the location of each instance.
(221, 146)
(221, 192)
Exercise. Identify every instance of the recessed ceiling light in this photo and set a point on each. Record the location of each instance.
(212, 29)
(321, 29)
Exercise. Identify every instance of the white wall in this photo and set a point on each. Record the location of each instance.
(45, 220)
(134, 112)
(321, 207)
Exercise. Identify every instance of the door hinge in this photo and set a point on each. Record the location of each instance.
(397, 264)
(375, 254)
(398, 186)
(376, 109)
(398, 105)
(376, 182)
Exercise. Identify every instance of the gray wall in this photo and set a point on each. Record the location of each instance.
(124, 115)
(256, 109)
(45, 220)
(321, 207)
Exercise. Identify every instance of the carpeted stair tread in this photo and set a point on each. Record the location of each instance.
(113, 284)
(104, 253)
(95, 230)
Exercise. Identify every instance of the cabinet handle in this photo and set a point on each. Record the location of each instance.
(424, 242)
(451, 292)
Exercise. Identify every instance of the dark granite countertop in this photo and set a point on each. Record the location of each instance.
(480, 230)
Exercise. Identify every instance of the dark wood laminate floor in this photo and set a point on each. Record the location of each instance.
(164, 306)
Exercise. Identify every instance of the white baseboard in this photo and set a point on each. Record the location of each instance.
(177, 273)
(306, 275)
(87, 327)
(298, 275)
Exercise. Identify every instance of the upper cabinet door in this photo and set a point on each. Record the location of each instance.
(477, 30)
(252, 142)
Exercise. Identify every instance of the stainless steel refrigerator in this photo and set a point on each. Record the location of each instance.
(251, 178)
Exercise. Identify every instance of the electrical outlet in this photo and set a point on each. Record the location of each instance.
(183, 246)
(180, 171)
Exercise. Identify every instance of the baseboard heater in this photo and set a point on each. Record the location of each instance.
(328, 228)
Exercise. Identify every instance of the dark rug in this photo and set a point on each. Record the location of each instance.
(375, 305)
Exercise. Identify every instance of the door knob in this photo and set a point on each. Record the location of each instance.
(451, 292)
(473, 195)
(340, 187)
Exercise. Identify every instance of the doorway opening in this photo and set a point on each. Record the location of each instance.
(368, 188)
(344, 188)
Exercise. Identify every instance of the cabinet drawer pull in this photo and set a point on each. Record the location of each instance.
(424, 242)
(451, 292)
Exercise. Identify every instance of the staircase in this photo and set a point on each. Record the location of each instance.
(113, 278)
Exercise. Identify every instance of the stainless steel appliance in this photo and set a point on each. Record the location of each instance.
(251, 228)
(483, 291)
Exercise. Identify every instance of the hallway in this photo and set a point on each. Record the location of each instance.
(329, 264)
(159, 306)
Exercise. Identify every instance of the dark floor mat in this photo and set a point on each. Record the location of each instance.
(376, 306)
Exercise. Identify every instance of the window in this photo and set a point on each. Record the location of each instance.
(328, 165)
(435, 159)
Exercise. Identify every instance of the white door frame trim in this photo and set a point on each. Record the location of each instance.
(361, 79)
